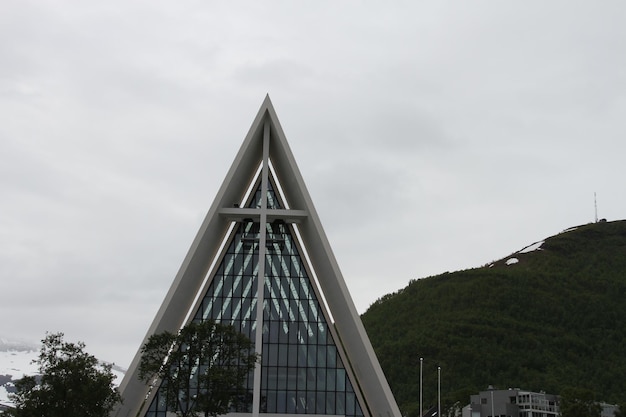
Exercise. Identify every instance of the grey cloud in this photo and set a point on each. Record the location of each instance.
(432, 137)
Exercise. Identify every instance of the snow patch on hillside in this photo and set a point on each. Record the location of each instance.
(530, 248)
(18, 363)
(14, 364)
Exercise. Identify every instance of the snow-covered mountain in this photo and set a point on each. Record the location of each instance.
(17, 359)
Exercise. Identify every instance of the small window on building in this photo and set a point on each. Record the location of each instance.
(483, 401)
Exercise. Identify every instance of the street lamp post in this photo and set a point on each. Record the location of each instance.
(439, 391)
(421, 368)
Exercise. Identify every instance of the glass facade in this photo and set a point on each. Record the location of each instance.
(302, 371)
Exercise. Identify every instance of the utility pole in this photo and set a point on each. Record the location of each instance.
(421, 367)
(439, 391)
(595, 203)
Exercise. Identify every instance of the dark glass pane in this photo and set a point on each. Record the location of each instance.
(320, 406)
(350, 400)
(301, 383)
(281, 401)
(292, 359)
(272, 355)
(291, 402)
(281, 374)
(311, 378)
(321, 356)
(321, 379)
(331, 376)
(341, 379)
(282, 355)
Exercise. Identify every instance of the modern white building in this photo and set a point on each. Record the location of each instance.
(262, 263)
(512, 402)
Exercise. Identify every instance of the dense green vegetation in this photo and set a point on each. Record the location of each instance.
(72, 383)
(555, 320)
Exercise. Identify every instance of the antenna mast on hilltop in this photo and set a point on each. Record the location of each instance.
(595, 203)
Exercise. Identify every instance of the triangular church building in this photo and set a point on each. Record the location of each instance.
(262, 263)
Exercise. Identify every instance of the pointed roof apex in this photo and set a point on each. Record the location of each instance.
(267, 102)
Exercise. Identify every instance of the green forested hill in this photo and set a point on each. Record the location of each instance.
(555, 319)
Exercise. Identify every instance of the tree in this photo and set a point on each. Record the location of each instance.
(202, 368)
(579, 402)
(72, 383)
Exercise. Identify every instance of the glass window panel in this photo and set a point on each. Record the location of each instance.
(275, 261)
(321, 379)
(252, 335)
(275, 287)
(271, 401)
(311, 378)
(302, 355)
(322, 335)
(226, 309)
(340, 404)
(272, 354)
(321, 356)
(281, 402)
(236, 310)
(285, 267)
(245, 309)
(293, 267)
(293, 333)
(271, 382)
(283, 337)
(301, 402)
(320, 403)
(238, 287)
(292, 378)
(330, 403)
(207, 305)
(312, 330)
(331, 356)
(302, 333)
(281, 375)
(341, 379)
(282, 355)
(331, 377)
(292, 360)
(248, 264)
(310, 402)
(273, 332)
(238, 266)
(217, 307)
(350, 400)
(291, 402)
(301, 383)
(228, 263)
(312, 354)
(294, 306)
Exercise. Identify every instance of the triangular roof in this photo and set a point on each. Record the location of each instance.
(266, 142)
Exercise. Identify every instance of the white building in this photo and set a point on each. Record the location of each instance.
(512, 403)
(261, 263)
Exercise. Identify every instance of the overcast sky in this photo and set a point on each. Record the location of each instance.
(433, 136)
